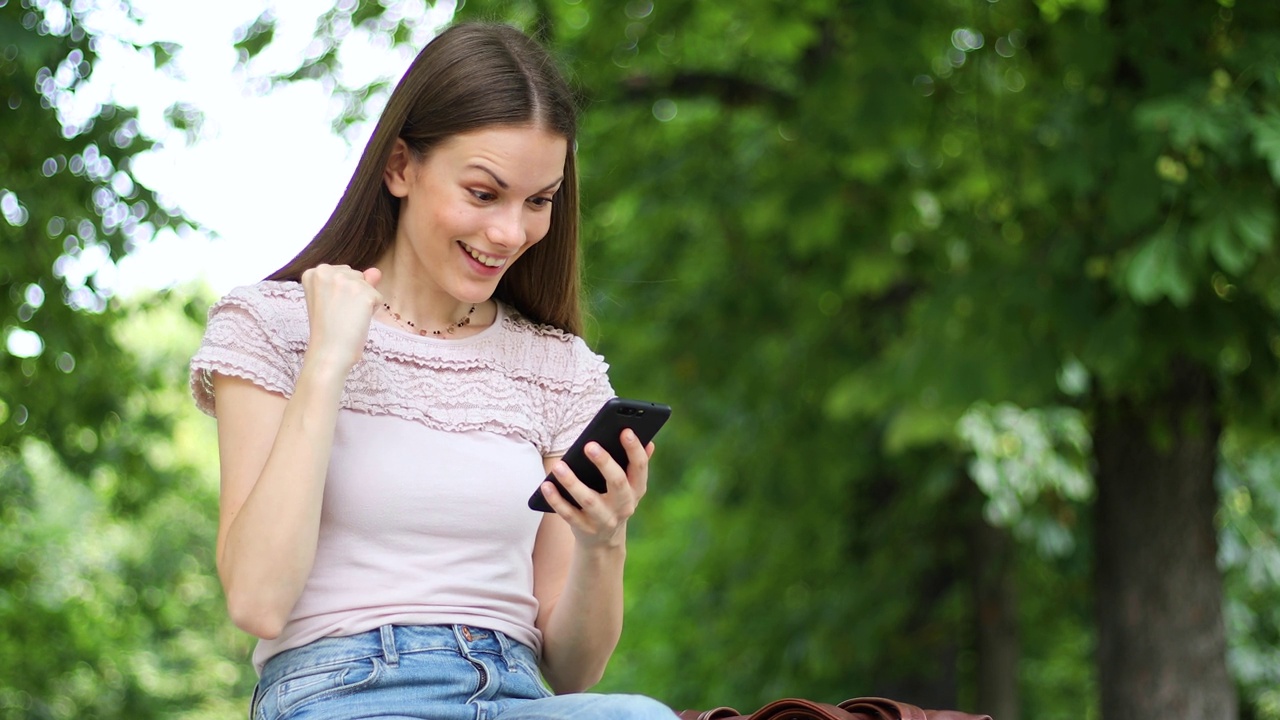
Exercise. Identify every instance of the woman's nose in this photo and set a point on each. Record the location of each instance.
(506, 228)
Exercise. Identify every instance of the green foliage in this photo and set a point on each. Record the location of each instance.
(885, 259)
(108, 606)
(118, 614)
(1021, 456)
(71, 207)
(251, 39)
(1056, 670)
(383, 22)
(834, 230)
(1250, 555)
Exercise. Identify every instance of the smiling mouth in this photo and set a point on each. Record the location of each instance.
(483, 259)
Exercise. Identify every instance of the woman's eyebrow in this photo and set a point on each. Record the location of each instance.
(503, 183)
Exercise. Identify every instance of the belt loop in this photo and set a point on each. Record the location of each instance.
(389, 652)
(504, 646)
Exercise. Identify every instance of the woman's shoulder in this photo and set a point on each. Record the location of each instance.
(530, 334)
(274, 303)
(256, 332)
(548, 350)
(274, 310)
(267, 295)
(532, 330)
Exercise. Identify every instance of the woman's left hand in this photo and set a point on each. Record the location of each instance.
(602, 519)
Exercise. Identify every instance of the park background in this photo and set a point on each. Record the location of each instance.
(969, 311)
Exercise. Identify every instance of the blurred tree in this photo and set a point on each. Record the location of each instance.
(943, 204)
(111, 614)
(69, 208)
(880, 254)
(1250, 554)
(108, 607)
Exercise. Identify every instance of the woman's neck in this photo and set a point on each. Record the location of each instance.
(417, 304)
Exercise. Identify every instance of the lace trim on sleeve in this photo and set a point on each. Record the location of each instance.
(250, 335)
(574, 408)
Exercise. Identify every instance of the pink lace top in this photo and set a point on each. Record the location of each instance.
(437, 447)
(514, 378)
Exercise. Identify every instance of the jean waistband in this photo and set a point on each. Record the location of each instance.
(389, 642)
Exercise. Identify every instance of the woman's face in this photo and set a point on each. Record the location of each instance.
(474, 205)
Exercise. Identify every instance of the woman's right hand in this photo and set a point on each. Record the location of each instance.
(274, 454)
(341, 302)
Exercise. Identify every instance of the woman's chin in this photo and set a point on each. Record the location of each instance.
(475, 293)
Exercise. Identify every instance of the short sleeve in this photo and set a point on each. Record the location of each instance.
(242, 339)
(573, 407)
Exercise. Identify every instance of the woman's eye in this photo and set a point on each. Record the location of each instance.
(540, 202)
(484, 196)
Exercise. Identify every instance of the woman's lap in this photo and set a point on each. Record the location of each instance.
(436, 672)
(587, 706)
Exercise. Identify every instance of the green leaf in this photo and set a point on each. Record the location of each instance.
(1215, 236)
(185, 117)
(861, 394)
(1157, 271)
(1238, 228)
(1256, 226)
(916, 426)
(1266, 140)
(367, 13)
(873, 273)
(164, 52)
(1186, 121)
(252, 38)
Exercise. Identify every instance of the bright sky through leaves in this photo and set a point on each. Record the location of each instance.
(263, 169)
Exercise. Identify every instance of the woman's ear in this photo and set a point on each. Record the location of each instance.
(397, 174)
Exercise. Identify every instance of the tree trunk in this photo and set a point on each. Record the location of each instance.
(996, 610)
(1161, 638)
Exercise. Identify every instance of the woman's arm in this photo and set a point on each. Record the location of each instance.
(274, 456)
(578, 561)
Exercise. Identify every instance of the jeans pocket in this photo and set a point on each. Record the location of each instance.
(315, 684)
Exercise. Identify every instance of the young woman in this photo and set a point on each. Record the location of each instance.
(388, 400)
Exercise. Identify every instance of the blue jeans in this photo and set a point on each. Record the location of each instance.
(436, 672)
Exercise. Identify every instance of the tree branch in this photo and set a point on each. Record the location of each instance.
(730, 90)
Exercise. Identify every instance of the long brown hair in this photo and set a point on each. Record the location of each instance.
(471, 76)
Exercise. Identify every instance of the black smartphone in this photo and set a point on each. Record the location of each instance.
(644, 419)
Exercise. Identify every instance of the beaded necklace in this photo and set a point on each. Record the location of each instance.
(413, 327)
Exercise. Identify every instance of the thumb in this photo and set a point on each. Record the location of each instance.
(373, 276)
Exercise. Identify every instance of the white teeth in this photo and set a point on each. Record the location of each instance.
(486, 260)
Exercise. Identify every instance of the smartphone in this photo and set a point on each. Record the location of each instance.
(644, 418)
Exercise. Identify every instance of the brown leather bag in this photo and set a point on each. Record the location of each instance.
(863, 708)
